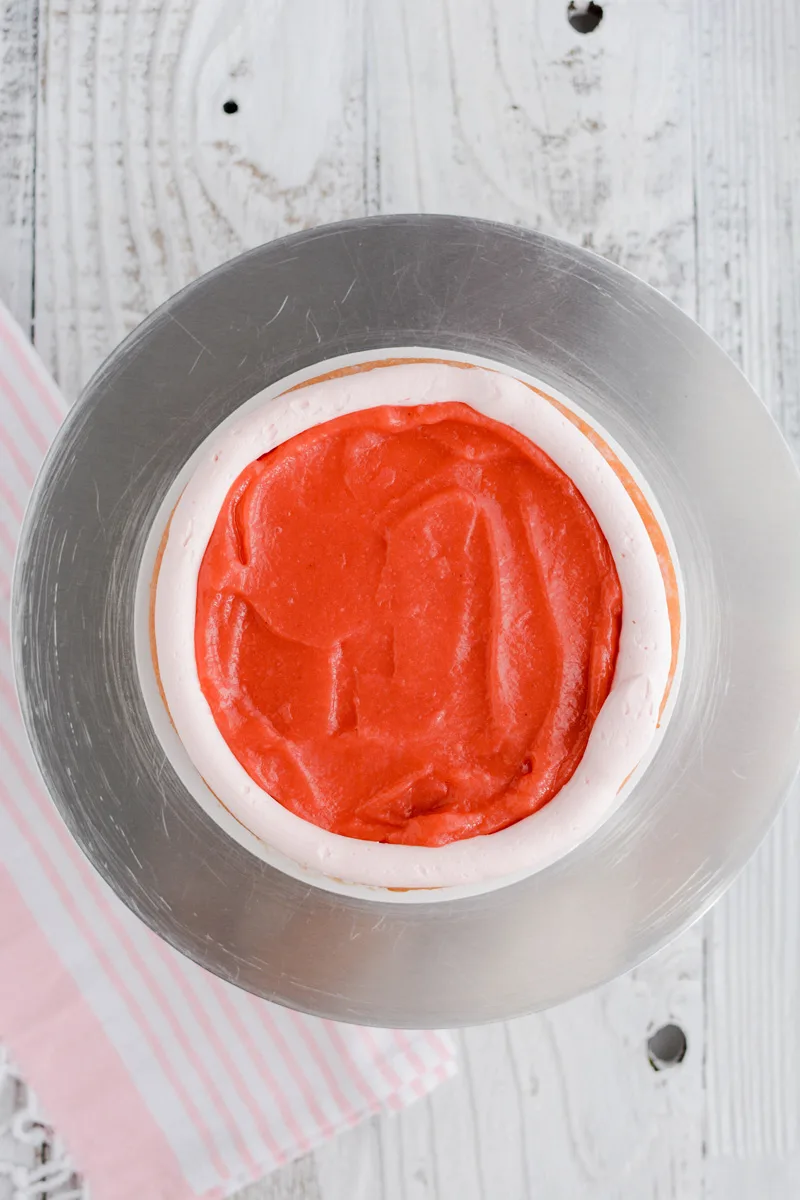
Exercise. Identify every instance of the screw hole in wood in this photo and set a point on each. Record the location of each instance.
(583, 17)
(667, 1047)
(230, 106)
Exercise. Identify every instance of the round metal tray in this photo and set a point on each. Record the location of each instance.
(718, 468)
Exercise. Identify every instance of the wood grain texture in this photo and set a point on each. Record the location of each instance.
(501, 109)
(145, 182)
(667, 140)
(747, 166)
(558, 1105)
(18, 56)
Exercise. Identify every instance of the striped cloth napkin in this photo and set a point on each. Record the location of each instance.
(162, 1081)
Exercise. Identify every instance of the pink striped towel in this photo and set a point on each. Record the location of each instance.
(162, 1081)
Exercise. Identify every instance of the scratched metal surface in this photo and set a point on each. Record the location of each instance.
(718, 468)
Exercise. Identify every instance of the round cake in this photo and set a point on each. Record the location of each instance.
(415, 624)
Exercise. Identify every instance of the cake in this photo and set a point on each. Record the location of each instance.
(416, 625)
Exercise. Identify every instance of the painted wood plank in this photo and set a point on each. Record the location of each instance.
(298, 1181)
(145, 181)
(18, 72)
(747, 137)
(502, 110)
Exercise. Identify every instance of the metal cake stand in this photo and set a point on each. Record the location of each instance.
(718, 468)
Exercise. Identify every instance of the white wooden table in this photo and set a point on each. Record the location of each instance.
(145, 141)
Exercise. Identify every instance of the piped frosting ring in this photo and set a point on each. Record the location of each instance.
(627, 726)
